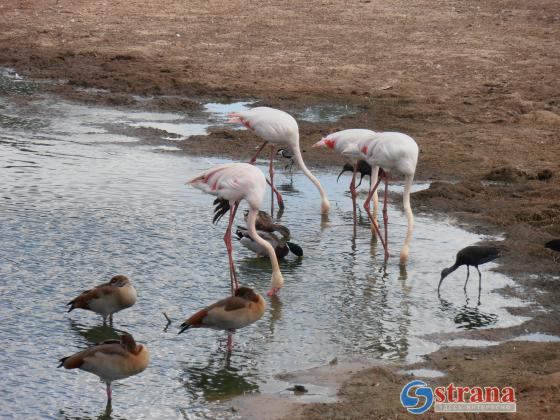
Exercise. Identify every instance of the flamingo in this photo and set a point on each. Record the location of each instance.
(229, 314)
(277, 128)
(107, 298)
(111, 360)
(392, 152)
(232, 183)
(340, 142)
(471, 256)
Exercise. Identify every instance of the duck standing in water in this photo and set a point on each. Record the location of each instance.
(281, 246)
(107, 298)
(111, 360)
(229, 314)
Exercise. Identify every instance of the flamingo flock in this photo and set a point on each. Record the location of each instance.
(377, 154)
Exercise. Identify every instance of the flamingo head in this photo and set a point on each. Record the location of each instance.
(325, 142)
(276, 283)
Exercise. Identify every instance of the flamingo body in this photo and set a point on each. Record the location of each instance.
(278, 128)
(390, 151)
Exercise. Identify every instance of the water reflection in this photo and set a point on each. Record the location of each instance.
(218, 378)
(96, 202)
(467, 317)
(96, 334)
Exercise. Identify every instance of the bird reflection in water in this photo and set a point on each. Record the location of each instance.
(468, 317)
(218, 379)
(96, 334)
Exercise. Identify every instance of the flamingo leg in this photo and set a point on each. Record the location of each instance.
(278, 196)
(109, 392)
(229, 247)
(259, 150)
(385, 215)
(354, 194)
(271, 173)
(368, 211)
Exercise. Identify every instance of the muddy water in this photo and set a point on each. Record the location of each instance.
(79, 204)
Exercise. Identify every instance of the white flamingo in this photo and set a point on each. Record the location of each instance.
(232, 183)
(393, 152)
(340, 142)
(277, 128)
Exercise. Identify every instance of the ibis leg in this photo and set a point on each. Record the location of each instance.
(467, 280)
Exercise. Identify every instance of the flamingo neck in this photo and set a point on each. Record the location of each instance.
(325, 205)
(409, 218)
(277, 279)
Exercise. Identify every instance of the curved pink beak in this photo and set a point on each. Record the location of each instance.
(272, 292)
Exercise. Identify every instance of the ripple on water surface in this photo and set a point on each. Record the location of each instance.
(78, 208)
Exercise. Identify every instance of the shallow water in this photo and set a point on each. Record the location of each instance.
(79, 204)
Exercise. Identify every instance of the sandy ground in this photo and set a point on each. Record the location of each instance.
(475, 83)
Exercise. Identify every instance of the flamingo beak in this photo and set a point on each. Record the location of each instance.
(272, 292)
(364, 150)
(320, 143)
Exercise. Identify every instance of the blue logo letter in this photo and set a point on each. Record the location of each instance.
(411, 402)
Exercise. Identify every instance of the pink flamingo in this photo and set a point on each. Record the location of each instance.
(341, 141)
(393, 152)
(277, 128)
(232, 183)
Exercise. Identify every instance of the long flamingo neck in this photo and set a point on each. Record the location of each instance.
(409, 218)
(277, 280)
(325, 205)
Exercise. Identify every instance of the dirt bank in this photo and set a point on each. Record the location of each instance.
(475, 83)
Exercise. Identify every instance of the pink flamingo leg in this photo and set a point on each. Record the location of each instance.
(279, 198)
(259, 150)
(386, 216)
(109, 392)
(370, 216)
(227, 240)
(354, 195)
(271, 173)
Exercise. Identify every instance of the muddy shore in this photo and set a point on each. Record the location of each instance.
(476, 84)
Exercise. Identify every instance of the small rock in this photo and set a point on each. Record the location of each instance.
(334, 361)
(298, 389)
(470, 358)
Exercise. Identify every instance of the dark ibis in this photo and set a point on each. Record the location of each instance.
(471, 256)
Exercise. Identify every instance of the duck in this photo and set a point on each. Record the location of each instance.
(264, 221)
(281, 247)
(230, 314)
(111, 360)
(107, 298)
